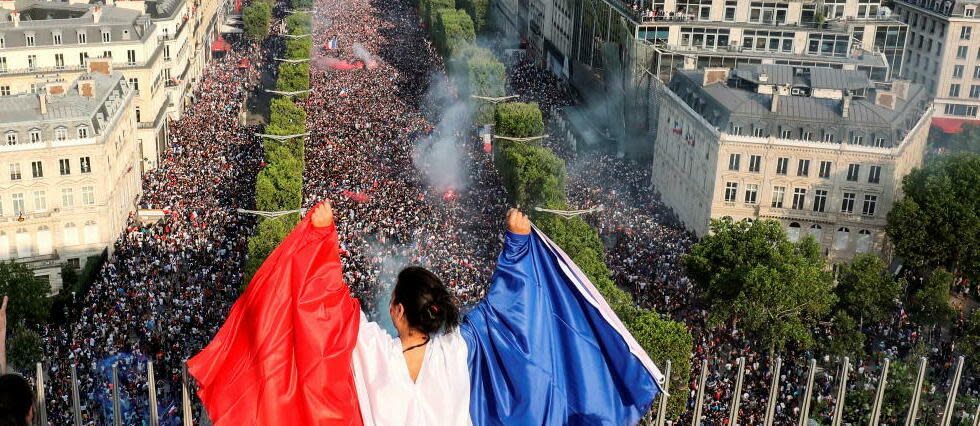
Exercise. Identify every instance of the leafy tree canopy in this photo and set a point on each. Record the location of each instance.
(866, 290)
(30, 304)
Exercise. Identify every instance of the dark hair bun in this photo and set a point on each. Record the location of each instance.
(428, 305)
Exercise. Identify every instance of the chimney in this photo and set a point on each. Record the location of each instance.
(100, 65)
(56, 88)
(97, 13)
(15, 18)
(774, 105)
(42, 99)
(845, 106)
(86, 88)
(885, 99)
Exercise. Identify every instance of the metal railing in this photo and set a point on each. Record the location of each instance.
(697, 408)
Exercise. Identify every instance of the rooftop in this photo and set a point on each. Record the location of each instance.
(70, 106)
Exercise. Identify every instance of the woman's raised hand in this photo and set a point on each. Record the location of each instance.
(518, 222)
(322, 215)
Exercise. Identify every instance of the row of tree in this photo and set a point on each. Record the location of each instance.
(279, 185)
(257, 17)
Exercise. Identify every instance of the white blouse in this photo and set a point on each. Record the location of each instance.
(439, 396)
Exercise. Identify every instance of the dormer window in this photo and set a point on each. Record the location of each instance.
(106, 36)
(82, 37)
(3, 43)
(969, 11)
(82, 132)
(29, 39)
(60, 133)
(56, 37)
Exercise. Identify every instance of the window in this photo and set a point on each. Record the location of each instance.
(874, 176)
(828, 137)
(974, 91)
(731, 192)
(107, 54)
(840, 240)
(60, 133)
(83, 132)
(819, 200)
(166, 52)
(3, 42)
(751, 193)
(11, 138)
(870, 203)
(879, 142)
(807, 136)
(18, 201)
(64, 166)
(758, 132)
(965, 33)
(957, 71)
(969, 12)
(960, 110)
(976, 71)
(37, 169)
(29, 39)
(857, 140)
(782, 164)
(35, 135)
(88, 195)
(85, 164)
(827, 44)
(733, 160)
(730, 10)
(82, 57)
(40, 201)
(82, 37)
(56, 38)
(755, 162)
(15, 171)
(131, 57)
(847, 203)
(737, 130)
(4, 90)
(786, 134)
(853, 170)
(799, 198)
(960, 52)
(778, 194)
(31, 62)
(59, 61)
(67, 197)
(106, 36)
(803, 169)
(954, 90)
(3, 64)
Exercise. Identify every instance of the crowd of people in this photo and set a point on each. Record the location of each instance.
(168, 286)
(367, 127)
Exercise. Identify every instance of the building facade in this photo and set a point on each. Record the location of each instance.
(69, 170)
(160, 46)
(822, 151)
(944, 56)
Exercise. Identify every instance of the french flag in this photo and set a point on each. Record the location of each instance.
(332, 44)
(542, 348)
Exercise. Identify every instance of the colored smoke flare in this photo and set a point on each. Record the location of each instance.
(450, 195)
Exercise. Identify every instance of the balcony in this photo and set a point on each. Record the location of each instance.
(941, 7)
(48, 144)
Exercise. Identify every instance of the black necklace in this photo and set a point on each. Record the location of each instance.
(416, 346)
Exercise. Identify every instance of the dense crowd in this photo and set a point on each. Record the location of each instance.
(368, 128)
(167, 286)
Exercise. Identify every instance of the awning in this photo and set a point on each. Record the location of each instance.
(220, 45)
(951, 125)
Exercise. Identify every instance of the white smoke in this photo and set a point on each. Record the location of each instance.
(440, 154)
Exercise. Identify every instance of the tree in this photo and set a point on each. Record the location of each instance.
(930, 303)
(257, 17)
(970, 342)
(302, 4)
(478, 11)
(298, 48)
(451, 31)
(299, 23)
(279, 186)
(294, 77)
(29, 294)
(518, 120)
(24, 348)
(533, 175)
(866, 290)
(846, 338)
(937, 223)
(664, 340)
(429, 8)
(752, 275)
(285, 118)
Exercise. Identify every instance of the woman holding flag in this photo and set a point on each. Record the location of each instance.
(543, 347)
